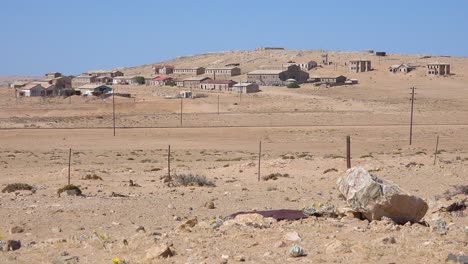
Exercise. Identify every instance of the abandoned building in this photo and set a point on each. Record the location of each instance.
(329, 80)
(162, 81)
(104, 79)
(325, 59)
(235, 64)
(125, 80)
(163, 69)
(438, 69)
(83, 79)
(32, 89)
(194, 82)
(403, 68)
(228, 71)
(221, 85)
(245, 88)
(276, 76)
(381, 53)
(52, 75)
(305, 66)
(99, 73)
(89, 89)
(360, 65)
(192, 71)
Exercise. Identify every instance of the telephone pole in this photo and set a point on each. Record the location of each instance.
(411, 119)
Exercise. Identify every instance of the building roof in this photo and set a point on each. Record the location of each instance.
(210, 81)
(243, 84)
(327, 77)
(438, 63)
(222, 68)
(360, 60)
(91, 86)
(267, 72)
(84, 76)
(189, 68)
(196, 79)
(162, 78)
(163, 66)
(30, 86)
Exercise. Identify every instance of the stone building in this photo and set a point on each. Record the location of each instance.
(305, 66)
(360, 66)
(277, 77)
(245, 88)
(82, 80)
(192, 71)
(228, 71)
(194, 82)
(404, 68)
(99, 73)
(438, 69)
(163, 69)
(220, 85)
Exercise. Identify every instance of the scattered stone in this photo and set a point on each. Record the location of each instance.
(293, 236)
(16, 230)
(176, 218)
(56, 230)
(140, 229)
(375, 198)
(66, 260)
(250, 220)
(210, 205)
(187, 225)
(296, 251)
(239, 258)
(454, 207)
(160, 251)
(457, 259)
(440, 227)
(12, 245)
(348, 212)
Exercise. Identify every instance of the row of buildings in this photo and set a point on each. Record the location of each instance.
(205, 83)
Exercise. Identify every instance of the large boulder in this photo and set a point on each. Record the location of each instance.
(375, 198)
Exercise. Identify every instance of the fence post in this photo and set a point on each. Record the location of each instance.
(436, 150)
(169, 163)
(69, 165)
(259, 158)
(348, 152)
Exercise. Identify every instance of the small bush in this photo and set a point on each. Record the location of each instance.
(330, 170)
(70, 187)
(275, 176)
(17, 187)
(92, 177)
(293, 86)
(456, 190)
(192, 180)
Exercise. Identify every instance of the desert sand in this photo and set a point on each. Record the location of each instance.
(303, 133)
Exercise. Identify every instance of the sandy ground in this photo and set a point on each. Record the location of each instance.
(303, 134)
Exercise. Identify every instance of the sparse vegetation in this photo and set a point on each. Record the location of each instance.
(293, 86)
(226, 160)
(367, 156)
(191, 180)
(330, 170)
(70, 187)
(275, 176)
(17, 187)
(92, 177)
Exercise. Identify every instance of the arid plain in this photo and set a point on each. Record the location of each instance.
(303, 133)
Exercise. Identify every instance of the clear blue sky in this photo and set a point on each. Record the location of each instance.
(74, 36)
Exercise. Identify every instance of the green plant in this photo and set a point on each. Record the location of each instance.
(17, 187)
(139, 79)
(293, 86)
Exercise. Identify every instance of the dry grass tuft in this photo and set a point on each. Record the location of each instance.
(17, 187)
(191, 180)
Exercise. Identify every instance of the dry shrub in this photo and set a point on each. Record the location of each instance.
(92, 177)
(13, 187)
(69, 187)
(191, 180)
(275, 176)
(330, 170)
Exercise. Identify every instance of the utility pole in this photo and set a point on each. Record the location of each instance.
(69, 166)
(218, 104)
(411, 119)
(181, 112)
(169, 163)
(436, 150)
(348, 152)
(259, 158)
(113, 108)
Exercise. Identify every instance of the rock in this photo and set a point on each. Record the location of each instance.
(457, 259)
(12, 245)
(239, 258)
(388, 240)
(293, 236)
(250, 220)
(73, 192)
(66, 260)
(56, 230)
(140, 229)
(280, 244)
(210, 205)
(16, 230)
(335, 247)
(375, 198)
(160, 251)
(296, 251)
(348, 212)
(187, 225)
(440, 227)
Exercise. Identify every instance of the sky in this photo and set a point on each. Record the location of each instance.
(74, 36)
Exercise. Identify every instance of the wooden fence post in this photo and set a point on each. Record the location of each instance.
(348, 152)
